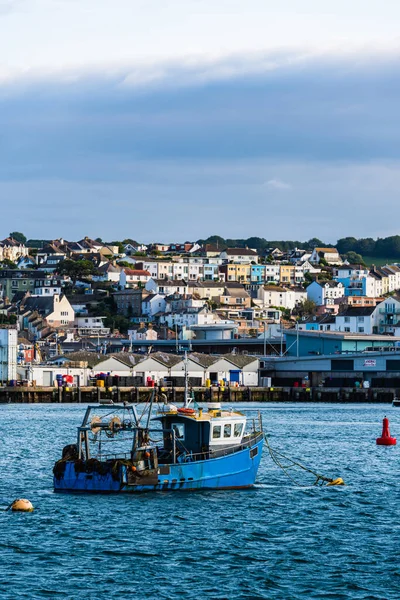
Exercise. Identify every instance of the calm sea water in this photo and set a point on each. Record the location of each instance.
(275, 541)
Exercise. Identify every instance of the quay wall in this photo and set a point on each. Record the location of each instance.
(28, 395)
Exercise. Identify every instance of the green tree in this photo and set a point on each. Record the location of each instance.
(317, 243)
(18, 236)
(354, 258)
(307, 308)
(346, 244)
(121, 246)
(75, 269)
(118, 322)
(8, 264)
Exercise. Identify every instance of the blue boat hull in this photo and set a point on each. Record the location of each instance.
(235, 470)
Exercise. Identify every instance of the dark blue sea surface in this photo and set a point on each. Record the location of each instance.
(274, 541)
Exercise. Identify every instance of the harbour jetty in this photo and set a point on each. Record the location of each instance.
(29, 395)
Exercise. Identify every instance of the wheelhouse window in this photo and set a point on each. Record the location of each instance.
(237, 432)
(216, 432)
(227, 430)
(179, 430)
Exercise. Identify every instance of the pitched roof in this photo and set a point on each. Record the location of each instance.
(11, 242)
(136, 272)
(240, 360)
(241, 252)
(205, 360)
(357, 311)
(110, 268)
(170, 282)
(325, 250)
(211, 248)
(42, 305)
(169, 360)
(274, 288)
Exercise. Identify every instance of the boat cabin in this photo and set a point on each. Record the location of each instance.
(201, 432)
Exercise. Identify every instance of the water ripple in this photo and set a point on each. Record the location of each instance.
(276, 541)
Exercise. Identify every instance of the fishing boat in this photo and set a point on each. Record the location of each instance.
(186, 448)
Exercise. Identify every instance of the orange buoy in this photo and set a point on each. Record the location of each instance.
(21, 505)
(386, 439)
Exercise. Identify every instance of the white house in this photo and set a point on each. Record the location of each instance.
(10, 249)
(55, 309)
(47, 287)
(299, 257)
(330, 255)
(309, 268)
(108, 272)
(143, 333)
(273, 295)
(153, 304)
(91, 326)
(325, 292)
(166, 286)
(272, 273)
(387, 316)
(188, 317)
(240, 255)
(357, 319)
(132, 277)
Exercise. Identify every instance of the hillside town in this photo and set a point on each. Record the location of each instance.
(90, 302)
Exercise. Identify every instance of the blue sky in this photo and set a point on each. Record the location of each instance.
(171, 120)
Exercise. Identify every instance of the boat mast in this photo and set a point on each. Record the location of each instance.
(186, 403)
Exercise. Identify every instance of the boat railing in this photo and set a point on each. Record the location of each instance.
(253, 438)
(116, 456)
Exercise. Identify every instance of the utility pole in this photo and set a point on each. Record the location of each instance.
(265, 339)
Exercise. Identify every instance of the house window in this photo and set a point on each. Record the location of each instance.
(361, 330)
(347, 329)
(347, 320)
(361, 319)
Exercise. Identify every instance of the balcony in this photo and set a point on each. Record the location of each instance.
(382, 323)
(385, 311)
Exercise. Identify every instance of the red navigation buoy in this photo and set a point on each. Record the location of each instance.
(386, 439)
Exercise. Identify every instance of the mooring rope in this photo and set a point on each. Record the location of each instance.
(291, 464)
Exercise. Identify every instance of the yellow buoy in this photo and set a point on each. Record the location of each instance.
(21, 505)
(338, 481)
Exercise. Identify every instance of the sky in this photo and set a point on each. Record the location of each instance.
(172, 120)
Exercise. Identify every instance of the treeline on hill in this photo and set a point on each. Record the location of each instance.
(380, 248)
(262, 244)
(388, 247)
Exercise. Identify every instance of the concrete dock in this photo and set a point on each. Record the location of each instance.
(30, 395)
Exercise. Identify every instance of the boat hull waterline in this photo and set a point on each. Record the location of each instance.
(232, 471)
